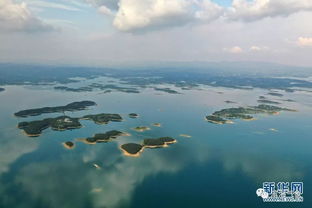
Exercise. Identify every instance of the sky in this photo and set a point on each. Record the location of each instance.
(104, 32)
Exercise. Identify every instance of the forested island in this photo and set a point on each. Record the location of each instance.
(227, 115)
(62, 123)
(134, 150)
(104, 137)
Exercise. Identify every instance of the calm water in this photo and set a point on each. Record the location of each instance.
(220, 166)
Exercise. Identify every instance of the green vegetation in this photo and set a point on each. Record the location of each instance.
(133, 115)
(104, 137)
(159, 142)
(69, 145)
(34, 128)
(134, 150)
(229, 102)
(275, 94)
(75, 106)
(69, 89)
(107, 88)
(216, 119)
(222, 116)
(103, 118)
(131, 149)
(141, 128)
(167, 90)
(268, 101)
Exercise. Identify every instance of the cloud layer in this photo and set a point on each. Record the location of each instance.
(134, 15)
(17, 17)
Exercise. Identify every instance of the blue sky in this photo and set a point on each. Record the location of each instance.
(100, 32)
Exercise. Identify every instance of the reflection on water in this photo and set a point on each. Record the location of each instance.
(39, 172)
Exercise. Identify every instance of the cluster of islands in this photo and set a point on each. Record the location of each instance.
(34, 128)
(61, 123)
(108, 88)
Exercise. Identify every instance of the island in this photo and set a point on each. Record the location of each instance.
(266, 101)
(34, 128)
(133, 115)
(225, 116)
(167, 90)
(62, 123)
(217, 119)
(132, 149)
(229, 102)
(107, 88)
(69, 145)
(275, 94)
(1, 89)
(159, 142)
(141, 128)
(104, 137)
(103, 118)
(70, 89)
(75, 106)
(157, 124)
(185, 135)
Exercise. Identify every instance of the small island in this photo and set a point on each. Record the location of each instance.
(275, 94)
(225, 116)
(159, 142)
(185, 135)
(104, 137)
(167, 90)
(132, 149)
(217, 119)
(69, 145)
(157, 124)
(75, 106)
(133, 115)
(229, 102)
(141, 128)
(266, 101)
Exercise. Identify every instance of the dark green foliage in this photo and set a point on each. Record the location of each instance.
(103, 118)
(75, 106)
(132, 148)
(104, 137)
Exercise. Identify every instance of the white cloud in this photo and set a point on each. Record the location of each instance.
(258, 9)
(304, 41)
(235, 49)
(138, 15)
(17, 17)
(105, 10)
(258, 48)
